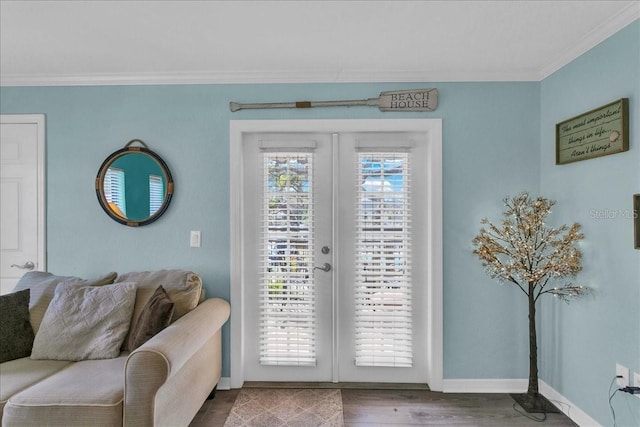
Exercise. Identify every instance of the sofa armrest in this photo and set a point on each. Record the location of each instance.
(168, 378)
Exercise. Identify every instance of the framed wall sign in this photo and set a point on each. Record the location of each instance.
(596, 133)
(636, 220)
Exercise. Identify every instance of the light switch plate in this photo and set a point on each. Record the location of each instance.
(194, 239)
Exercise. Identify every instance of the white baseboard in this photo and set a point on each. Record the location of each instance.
(224, 383)
(484, 385)
(576, 414)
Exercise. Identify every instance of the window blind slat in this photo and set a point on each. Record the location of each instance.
(114, 185)
(287, 288)
(383, 318)
(156, 193)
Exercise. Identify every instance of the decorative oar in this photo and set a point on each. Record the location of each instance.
(399, 100)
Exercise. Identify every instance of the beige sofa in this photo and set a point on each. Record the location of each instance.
(163, 382)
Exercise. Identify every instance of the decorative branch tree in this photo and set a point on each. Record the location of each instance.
(525, 252)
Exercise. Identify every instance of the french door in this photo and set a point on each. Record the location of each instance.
(335, 244)
(288, 223)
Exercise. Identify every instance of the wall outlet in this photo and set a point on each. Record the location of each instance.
(624, 372)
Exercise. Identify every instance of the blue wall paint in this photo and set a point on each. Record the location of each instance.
(581, 343)
(490, 150)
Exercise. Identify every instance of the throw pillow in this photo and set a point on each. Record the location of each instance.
(155, 316)
(43, 286)
(16, 333)
(184, 288)
(85, 322)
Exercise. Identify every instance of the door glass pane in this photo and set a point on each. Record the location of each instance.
(287, 288)
(383, 303)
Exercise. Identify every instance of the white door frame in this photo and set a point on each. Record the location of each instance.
(39, 121)
(433, 130)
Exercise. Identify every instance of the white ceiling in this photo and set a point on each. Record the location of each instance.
(129, 42)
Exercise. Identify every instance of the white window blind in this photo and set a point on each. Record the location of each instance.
(383, 308)
(156, 193)
(287, 288)
(114, 190)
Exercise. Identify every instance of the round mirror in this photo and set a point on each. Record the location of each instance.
(134, 185)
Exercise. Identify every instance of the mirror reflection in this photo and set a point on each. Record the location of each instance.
(134, 185)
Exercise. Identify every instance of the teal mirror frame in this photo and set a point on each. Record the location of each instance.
(112, 211)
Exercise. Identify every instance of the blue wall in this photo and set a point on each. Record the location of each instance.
(491, 149)
(582, 342)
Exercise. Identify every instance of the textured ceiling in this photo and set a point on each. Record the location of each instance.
(111, 42)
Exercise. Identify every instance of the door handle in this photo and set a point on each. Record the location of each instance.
(29, 265)
(325, 267)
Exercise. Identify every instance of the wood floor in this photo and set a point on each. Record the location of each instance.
(372, 408)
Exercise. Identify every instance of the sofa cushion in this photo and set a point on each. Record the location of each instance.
(85, 322)
(43, 285)
(86, 393)
(184, 289)
(155, 316)
(19, 374)
(16, 333)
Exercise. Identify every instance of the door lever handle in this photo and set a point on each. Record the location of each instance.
(29, 265)
(325, 267)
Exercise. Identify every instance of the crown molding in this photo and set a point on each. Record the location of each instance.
(276, 76)
(608, 28)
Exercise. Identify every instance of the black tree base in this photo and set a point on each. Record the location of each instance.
(535, 403)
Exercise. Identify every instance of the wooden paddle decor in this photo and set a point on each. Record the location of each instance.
(398, 100)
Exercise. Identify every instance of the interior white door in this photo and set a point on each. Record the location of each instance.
(22, 210)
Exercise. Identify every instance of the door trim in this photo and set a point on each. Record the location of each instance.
(433, 128)
(39, 121)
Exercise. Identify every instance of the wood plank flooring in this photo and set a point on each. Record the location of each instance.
(376, 408)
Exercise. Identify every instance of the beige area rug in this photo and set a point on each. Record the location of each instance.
(258, 407)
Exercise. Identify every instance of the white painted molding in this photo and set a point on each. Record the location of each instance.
(498, 385)
(274, 76)
(576, 414)
(625, 17)
(224, 383)
(235, 231)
